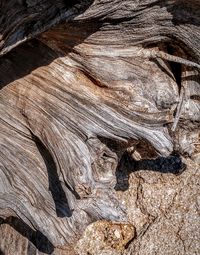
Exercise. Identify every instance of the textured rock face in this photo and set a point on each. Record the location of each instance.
(104, 237)
(165, 212)
(168, 212)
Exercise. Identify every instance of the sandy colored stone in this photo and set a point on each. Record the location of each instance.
(165, 212)
(104, 237)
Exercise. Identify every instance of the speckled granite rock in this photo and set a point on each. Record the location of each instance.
(103, 237)
(164, 208)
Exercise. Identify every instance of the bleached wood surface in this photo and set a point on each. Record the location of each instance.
(110, 76)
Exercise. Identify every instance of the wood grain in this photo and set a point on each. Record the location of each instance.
(119, 75)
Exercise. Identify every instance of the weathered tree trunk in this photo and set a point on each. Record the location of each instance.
(85, 83)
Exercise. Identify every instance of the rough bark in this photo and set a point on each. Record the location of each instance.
(87, 83)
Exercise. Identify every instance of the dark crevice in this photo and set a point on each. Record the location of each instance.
(72, 191)
(195, 97)
(14, 65)
(130, 242)
(164, 69)
(40, 16)
(183, 12)
(172, 164)
(117, 147)
(55, 187)
(175, 67)
(39, 240)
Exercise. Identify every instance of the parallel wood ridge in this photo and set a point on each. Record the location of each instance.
(21, 20)
(76, 97)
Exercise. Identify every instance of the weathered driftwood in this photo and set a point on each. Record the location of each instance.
(112, 76)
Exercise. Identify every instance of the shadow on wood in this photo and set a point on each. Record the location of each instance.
(36, 237)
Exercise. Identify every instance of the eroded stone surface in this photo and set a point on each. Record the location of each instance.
(104, 237)
(169, 206)
(164, 208)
